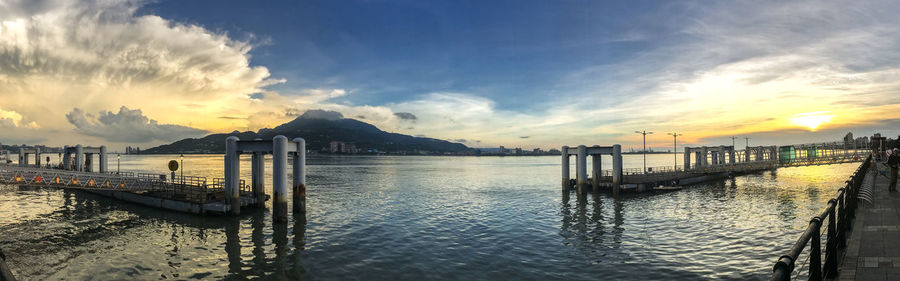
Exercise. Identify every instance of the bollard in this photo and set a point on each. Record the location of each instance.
(299, 182)
(279, 179)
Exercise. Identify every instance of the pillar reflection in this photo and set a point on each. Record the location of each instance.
(233, 245)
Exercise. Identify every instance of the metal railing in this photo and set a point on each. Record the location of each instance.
(186, 188)
(838, 215)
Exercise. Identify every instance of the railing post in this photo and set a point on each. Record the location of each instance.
(815, 251)
(783, 268)
(830, 246)
(842, 218)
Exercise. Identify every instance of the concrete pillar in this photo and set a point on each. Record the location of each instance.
(714, 158)
(79, 158)
(759, 154)
(731, 154)
(705, 156)
(581, 169)
(88, 162)
(21, 160)
(687, 158)
(37, 156)
(565, 168)
(299, 182)
(232, 175)
(617, 168)
(279, 179)
(773, 150)
(256, 178)
(66, 160)
(721, 155)
(104, 168)
(747, 154)
(698, 156)
(596, 172)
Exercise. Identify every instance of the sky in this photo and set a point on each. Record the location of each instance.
(484, 73)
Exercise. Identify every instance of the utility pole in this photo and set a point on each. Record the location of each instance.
(732, 141)
(748, 142)
(645, 133)
(675, 148)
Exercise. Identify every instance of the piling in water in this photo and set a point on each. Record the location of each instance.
(565, 168)
(232, 175)
(279, 179)
(299, 182)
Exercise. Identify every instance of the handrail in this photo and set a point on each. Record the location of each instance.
(839, 212)
(5, 273)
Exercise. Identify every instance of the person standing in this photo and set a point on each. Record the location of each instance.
(893, 162)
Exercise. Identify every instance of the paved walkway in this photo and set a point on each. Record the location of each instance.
(873, 251)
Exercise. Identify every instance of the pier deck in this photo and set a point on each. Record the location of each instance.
(873, 251)
(185, 194)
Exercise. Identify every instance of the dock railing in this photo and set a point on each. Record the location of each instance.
(837, 216)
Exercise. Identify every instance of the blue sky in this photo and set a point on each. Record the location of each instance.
(485, 73)
(514, 52)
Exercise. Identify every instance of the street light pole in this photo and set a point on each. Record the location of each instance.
(118, 164)
(644, 152)
(182, 168)
(675, 148)
(732, 141)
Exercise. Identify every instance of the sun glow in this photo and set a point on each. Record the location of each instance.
(812, 120)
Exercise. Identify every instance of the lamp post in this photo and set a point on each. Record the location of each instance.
(675, 147)
(182, 167)
(732, 141)
(644, 152)
(118, 164)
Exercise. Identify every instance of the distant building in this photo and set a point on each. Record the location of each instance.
(336, 147)
(848, 139)
(502, 150)
(132, 150)
(537, 151)
(342, 147)
(518, 151)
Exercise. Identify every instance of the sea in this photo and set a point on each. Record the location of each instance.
(422, 218)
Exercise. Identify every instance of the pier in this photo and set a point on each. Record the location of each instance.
(198, 195)
(700, 164)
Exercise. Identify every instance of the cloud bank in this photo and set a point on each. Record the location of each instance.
(127, 126)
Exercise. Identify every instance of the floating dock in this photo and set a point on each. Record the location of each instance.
(701, 164)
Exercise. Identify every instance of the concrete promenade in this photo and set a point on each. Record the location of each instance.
(873, 250)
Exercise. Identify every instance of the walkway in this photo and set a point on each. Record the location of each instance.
(873, 251)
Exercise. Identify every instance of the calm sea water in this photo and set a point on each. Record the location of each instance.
(420, 218)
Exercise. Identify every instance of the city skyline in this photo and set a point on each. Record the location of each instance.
(523, 74)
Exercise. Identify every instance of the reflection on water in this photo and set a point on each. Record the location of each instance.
(413, 218)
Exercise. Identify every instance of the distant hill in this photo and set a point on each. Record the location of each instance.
(319, 128)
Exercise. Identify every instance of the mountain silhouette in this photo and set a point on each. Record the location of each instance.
(319, 128)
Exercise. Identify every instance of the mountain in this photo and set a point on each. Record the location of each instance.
(319, 128)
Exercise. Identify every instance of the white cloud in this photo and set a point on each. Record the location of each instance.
(12, 119)
(98, 54)
(128, 126)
